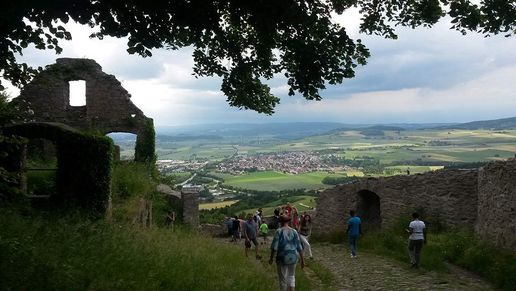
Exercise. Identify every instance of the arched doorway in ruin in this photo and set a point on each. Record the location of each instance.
(368, 209)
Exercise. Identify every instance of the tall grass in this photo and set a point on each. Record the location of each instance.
(73, 253)
(132, 179)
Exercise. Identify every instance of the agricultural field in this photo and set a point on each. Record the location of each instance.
(419, 150)
(429, 145)
(276, 181)
(213, 205)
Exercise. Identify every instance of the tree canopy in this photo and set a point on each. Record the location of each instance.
(243, 42)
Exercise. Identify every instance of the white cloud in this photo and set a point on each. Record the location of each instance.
(491, 95)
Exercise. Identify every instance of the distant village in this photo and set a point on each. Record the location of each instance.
(287, 162)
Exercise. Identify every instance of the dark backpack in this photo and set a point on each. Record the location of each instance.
(274, 223)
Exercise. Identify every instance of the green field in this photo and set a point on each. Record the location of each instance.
(395, 150)
(457, 146)
(276, 181)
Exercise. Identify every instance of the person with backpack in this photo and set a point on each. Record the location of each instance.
(274, 222)
(258, 217)
(288, 250)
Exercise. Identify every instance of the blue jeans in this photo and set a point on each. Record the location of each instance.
(353, 244)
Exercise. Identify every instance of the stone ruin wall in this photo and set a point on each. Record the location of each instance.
(108, 105)
(449, 194)
(190, 208)
(483, 199)
(497, 203)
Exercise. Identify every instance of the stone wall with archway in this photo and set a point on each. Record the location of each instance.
(108, 105)
(482, 199)
(369, 209)
(448, 194)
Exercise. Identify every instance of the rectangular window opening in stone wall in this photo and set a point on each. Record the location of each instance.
(77, 93)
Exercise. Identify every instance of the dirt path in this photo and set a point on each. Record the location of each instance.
(372, 272)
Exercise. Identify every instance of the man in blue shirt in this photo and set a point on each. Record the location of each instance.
(354, 231)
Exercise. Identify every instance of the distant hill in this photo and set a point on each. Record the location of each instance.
(280, 130)
(496, 124)
(374, 130)
(379, 130)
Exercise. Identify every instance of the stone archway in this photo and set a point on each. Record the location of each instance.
(107, 105)
(368, 209)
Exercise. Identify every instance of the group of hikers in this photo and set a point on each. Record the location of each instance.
(290, 244)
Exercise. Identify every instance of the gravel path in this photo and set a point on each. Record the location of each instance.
(372, 272)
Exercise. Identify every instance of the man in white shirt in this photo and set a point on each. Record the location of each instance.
(417, 238)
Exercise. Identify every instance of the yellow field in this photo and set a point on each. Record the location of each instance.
(208, 206)
(355, 173)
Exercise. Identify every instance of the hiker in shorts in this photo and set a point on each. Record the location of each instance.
(250, 230)
(264, 231)
(417, 238)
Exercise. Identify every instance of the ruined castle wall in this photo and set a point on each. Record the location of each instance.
(108, 105)
(449, 194)
(497, 204)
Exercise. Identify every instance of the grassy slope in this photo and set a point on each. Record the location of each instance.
(76, 254)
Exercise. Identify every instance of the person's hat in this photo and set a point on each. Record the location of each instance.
(284, 218)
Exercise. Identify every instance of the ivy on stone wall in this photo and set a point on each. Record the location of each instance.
(84, 163)
(84, 169)
(146, 144)
(10, 148)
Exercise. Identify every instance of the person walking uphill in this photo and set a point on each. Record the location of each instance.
(250, 230)
(304, 233)
(417, 231)
(354, 231)
(235, 229)
(287, 247)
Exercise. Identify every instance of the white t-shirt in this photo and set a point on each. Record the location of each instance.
(417, 227)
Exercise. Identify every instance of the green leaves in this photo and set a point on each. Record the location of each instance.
(243, 42)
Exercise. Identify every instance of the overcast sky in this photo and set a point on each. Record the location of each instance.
(427, 75)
